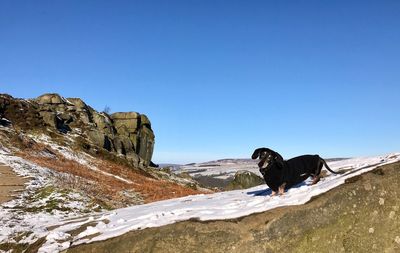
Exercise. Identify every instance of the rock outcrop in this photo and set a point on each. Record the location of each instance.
(135, 129)
(362, 215)
(126, 134)
(244, 179)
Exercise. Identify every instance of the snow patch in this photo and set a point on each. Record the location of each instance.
(27, 215)
(222, 205)
(57, 226)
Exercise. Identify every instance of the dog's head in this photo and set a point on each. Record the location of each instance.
(267, 157)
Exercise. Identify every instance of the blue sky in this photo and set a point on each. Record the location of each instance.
(218, 78)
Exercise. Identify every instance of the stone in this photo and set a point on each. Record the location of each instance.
(145, 121)
(127, 124)
(66, 117)
(84, 117)
(244, 179)
(126, 134)
(125, 115)
(123, 145)
(137, 128)
(103, 123)
(50, 98)
(22, 113)
(99, 139)
(146, 143)
(50, 118)
(78, 103)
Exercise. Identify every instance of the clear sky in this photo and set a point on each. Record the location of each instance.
(218, 78)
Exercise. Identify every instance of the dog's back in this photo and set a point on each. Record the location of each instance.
(300, 168)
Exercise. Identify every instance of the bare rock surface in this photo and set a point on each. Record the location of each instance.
(362, 215)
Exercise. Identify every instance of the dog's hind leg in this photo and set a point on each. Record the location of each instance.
(316, 176)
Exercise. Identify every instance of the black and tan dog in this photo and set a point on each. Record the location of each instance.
(280, 174)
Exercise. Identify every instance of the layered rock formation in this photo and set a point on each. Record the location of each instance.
(126, 134)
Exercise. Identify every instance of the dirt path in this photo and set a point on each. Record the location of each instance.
(10, 183)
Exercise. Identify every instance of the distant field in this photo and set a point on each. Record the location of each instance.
(219, 173)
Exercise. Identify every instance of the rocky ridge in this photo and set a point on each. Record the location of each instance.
(124, 134)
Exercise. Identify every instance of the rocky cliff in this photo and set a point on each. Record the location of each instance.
(124, 134)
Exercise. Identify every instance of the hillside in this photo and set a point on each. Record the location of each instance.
(75, 161)
(90, 187)
(361, 215)
(57, 231)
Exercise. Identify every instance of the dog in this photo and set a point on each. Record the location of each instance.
(280, 174)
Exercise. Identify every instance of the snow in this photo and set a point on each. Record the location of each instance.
(14, 219)
(57, 228)
(223, 205)
(5, 120)
(222, 169)
(81, 158)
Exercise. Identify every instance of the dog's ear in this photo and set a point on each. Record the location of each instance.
(278, 158)
(257, 152)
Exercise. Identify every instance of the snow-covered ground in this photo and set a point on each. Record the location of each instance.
(223, 205)
(221, 169)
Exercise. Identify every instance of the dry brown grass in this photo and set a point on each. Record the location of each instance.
(108, 186)
(151, 189)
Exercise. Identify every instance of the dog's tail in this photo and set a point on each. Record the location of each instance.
(327, 167)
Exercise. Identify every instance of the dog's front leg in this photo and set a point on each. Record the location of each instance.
(282, 189)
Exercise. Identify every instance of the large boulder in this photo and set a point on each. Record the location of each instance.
(130, 120)
(78, 104)
(145, 144)
(244, 179)
(50, 98)
(21, 113)
(137, 128)
(49, 117)
(103, 123)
